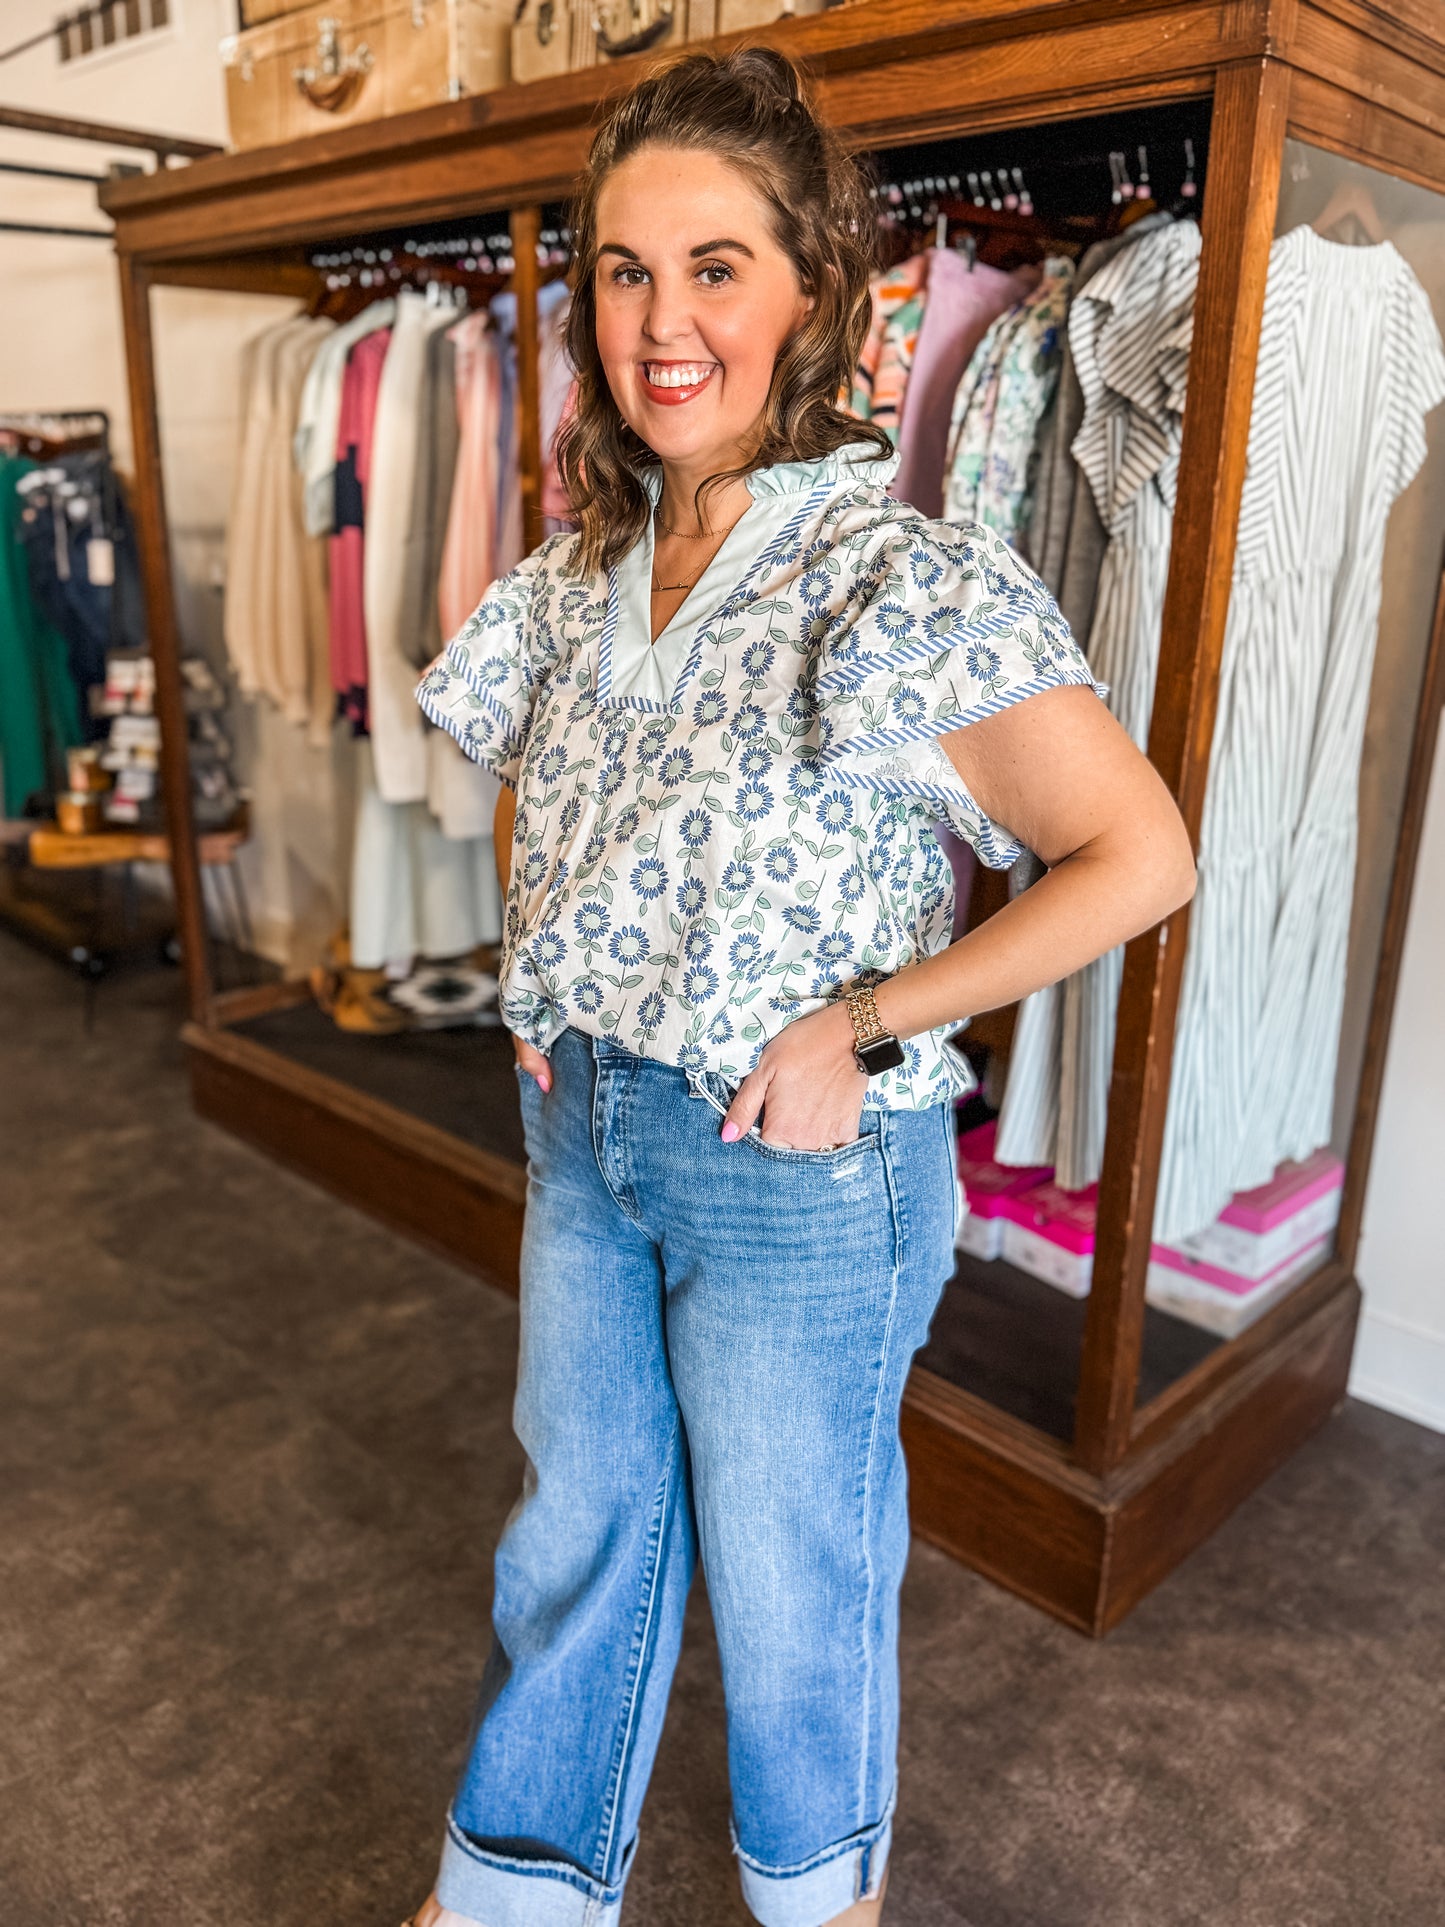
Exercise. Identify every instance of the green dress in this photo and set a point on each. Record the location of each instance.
(39, 708)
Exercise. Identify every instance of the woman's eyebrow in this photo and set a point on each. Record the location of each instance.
(707, 247)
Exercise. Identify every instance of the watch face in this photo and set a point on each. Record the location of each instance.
(882, 1054)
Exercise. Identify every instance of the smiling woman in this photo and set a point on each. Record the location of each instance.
(727, 711)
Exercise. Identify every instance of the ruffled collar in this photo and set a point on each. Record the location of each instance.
(852, 463)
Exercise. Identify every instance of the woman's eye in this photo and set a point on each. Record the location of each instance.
(717, 267)
(626, 268)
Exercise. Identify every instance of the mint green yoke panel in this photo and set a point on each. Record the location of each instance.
(643, 671)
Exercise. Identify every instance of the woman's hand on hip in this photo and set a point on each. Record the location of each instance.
(533, 1062)
(806, 1084)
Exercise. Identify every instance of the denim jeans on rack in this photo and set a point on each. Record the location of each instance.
(714, 1344)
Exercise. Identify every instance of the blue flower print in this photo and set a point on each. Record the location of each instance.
(592, 921)
(924, 567)
(699, 984)
(629, 946)
(651, 744)
(815, 585)
(746, 955)
(689, 877)
(675, 767)
(835, 811)
(548, 948)
(894, 620)
(983, 662)
(649, 877)
(550, 765)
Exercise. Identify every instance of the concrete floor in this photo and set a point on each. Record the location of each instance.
(254, 1455)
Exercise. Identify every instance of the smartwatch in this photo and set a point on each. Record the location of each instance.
(875, 1048)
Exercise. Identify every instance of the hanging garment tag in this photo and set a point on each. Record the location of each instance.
(100, 561)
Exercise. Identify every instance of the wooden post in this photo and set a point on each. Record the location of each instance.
(1246, 154)
(526, 231)
(152, 528)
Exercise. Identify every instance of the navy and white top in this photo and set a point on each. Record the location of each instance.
(730, 827)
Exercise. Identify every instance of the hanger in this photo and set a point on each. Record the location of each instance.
(1350, 216)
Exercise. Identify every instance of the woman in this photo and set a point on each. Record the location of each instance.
(729, 707)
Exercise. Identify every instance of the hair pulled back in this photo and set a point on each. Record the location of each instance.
(751, 109)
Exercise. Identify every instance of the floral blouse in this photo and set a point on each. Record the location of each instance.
(690, 873)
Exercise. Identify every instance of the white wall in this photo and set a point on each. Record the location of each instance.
(1400, 1355)
(60, 346)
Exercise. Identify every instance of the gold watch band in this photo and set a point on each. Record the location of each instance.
(863, 1010)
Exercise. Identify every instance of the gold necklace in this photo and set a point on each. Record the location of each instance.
(663, 588)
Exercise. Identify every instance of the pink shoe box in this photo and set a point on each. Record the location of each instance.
(1050, 1233)
(984, 1185)
(1225, 1302)
(1260, 1230)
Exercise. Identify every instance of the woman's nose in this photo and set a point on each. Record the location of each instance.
(669, 314)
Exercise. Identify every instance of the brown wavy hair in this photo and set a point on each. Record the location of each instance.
(751, 108)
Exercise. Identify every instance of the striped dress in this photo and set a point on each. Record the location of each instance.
(1350, 364)
(1129, 341)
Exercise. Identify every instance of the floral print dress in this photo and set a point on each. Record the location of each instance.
(693, 868)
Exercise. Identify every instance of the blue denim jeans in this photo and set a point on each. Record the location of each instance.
(714, 1343)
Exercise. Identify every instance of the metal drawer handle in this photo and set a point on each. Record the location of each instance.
(332, 83)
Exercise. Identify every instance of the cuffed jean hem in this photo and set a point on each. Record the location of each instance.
(503, 1890)
(815, 1891)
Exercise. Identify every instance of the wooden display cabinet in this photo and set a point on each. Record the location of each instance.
(1086, 1516)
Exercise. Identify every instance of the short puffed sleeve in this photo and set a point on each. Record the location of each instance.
(949, 626)
(483, 685)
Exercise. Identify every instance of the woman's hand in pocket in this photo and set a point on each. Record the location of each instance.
(806, 1085)
(531, 1060)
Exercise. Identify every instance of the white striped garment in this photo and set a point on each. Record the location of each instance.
(1350, 364)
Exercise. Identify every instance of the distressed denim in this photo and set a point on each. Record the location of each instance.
(714, 1343)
